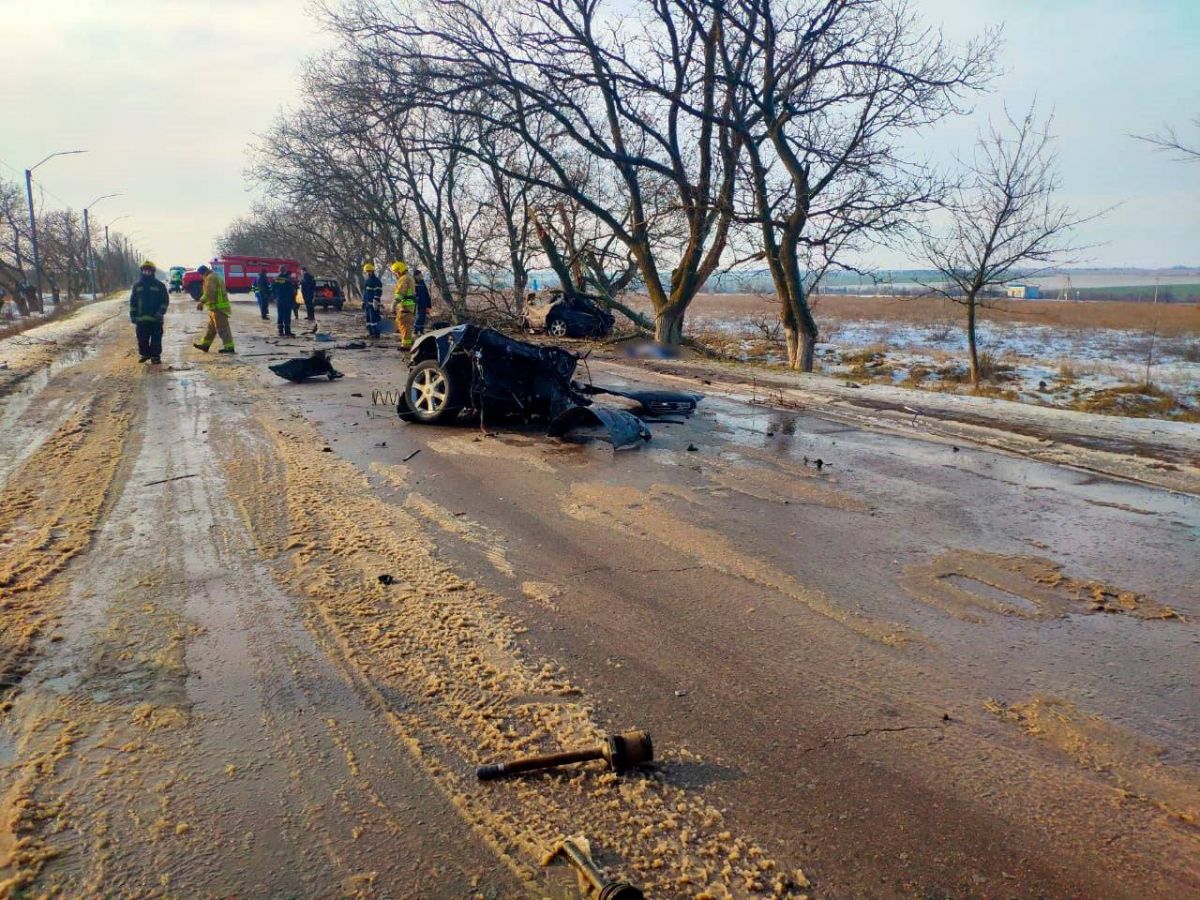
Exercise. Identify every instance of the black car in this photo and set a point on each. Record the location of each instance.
(468, 367)
(329, 293)
(562, 314)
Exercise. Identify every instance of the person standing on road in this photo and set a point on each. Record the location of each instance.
(284, 290)
(372, 299)
(215, 299)
(308, 290)
(404, 303)
(424, 303)
(262, 293)
(148, 302)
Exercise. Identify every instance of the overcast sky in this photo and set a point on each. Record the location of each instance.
(166, 98)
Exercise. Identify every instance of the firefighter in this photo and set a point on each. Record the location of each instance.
(372, 299)
(148, 302)
(424, 302)
(262, 293)
(284, 290)
(308, 290)
(404, 304)
(215, 299)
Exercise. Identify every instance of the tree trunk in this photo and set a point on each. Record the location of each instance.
(972, 348)
(668, 325)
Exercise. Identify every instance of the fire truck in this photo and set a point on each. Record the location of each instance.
(240, 272)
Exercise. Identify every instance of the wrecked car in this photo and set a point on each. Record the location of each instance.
(468, 367)
(565, 315)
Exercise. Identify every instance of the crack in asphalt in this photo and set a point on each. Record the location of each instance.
(883, 729)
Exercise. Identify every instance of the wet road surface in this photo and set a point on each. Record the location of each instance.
(916, 670)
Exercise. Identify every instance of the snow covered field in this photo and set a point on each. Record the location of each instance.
(1121, 371)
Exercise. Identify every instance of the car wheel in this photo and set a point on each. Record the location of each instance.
(557, 327)
(432, 393)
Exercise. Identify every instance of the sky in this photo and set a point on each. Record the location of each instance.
(167, 96)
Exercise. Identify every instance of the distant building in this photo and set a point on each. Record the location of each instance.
(1023, 291)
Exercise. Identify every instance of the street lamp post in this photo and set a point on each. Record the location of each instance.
(87, 243)
(37, 260)
(107, 246)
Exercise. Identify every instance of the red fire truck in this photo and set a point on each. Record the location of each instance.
(239, 272)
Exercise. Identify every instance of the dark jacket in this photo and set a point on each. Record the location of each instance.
(263, 284)
(423, 299)
(148, 301)
(372, 289)
(308, 286)
(283, 289)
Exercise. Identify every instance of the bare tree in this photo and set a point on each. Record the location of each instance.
(634, 90)
(827, 90)
(1169, 141)
(1003, 220)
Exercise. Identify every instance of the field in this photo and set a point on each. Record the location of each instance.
(1124, 358)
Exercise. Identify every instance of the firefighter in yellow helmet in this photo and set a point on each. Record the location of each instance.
(215, 299)
(404, 303)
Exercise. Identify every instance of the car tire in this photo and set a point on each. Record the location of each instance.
(557, 327)
(432, 393)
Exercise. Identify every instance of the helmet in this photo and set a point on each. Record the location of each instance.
(399, 268)
(369, 267)
(148, 265)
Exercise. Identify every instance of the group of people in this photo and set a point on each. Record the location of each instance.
(410, 302)
(282, 289)
(149, 299)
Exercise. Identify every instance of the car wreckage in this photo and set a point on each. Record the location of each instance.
(466, 367)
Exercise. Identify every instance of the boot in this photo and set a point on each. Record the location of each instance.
(203, 347)
(227, 350)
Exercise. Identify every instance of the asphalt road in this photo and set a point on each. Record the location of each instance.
(921, 669)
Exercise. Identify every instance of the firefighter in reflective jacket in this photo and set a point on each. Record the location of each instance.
(214, 298)
(404, 304)
(372, 299)
(148, 302)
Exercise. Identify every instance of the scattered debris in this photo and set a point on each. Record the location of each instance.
(324, 337)
(175, 478)
(353, 345)
(385, 578)
(592, 881)
(621, 751)
(356, 394)
(407, 458)
(326, 449)
(692, 448)
(296, 370)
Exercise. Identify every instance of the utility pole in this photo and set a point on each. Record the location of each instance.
(107, 247)
(37, 261)
(89, 257)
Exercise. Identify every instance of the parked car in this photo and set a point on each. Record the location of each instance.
(468, 367)
(329, 293)
(562, 314)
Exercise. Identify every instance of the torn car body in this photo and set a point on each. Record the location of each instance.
(468, 367)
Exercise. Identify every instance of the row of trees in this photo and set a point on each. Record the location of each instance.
(63, 251)
(649, 144)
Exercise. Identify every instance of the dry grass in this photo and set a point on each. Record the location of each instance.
(1136, 400)
(1174, 319)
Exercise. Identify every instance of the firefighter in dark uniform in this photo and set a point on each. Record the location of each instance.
(284, 291)
(372, 298)
(308, 290)
(148, 302)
